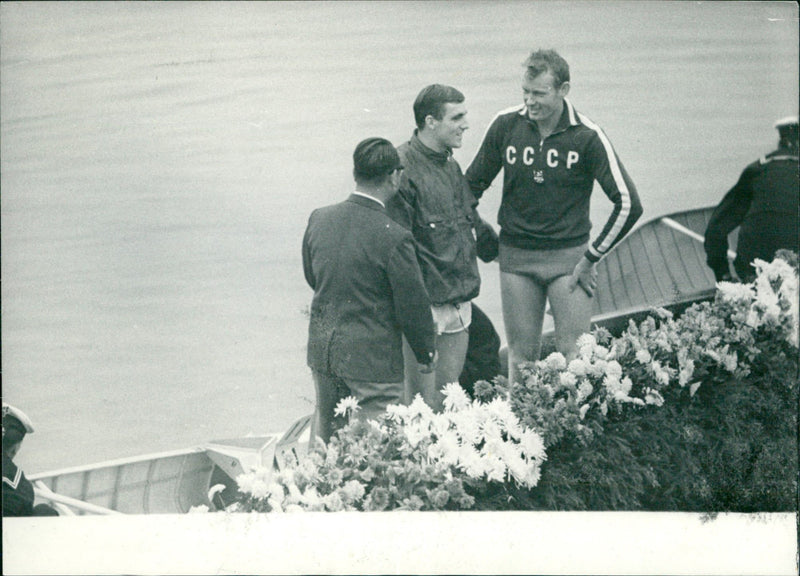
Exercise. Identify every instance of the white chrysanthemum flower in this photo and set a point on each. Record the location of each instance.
(662, 312)
(661, 375)
(584, 390)
(686, 373)
(451, 444)
(493, 447)
(776, 269)
(586, 341)
(490, 429)
(495, 468)
(556, 361)
(612, 383)
(532, 479)
(518, 468)
(767, 301)
(643, 356)
(285, 476)
(397, 412)
(419, 408)
(583, 410)
(438, 424)
(598, 368)
(467, 425)
(455, 397)
(614, 369)
(348, 405)
(445, 449)
(415, 433)
(753, 319)
(353, 490)
(567, 379)
(513, 427)
(311, 497)
(260, 489)
(333, 502)
(245, 482)
(620, 396)
(501, 410)
(294, 493)
(653, 397)
(469, 460)
(532, 445)
(308, 468)
(735, 292)
(578, 367)
(730, 361)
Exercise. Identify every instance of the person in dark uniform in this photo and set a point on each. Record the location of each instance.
(764, 203)
(18, 492)
(483, 361)
(483, 352)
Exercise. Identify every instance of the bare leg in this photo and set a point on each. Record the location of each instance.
(572, 314)
(452, 350)
(523, 313)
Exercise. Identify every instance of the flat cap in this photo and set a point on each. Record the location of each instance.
(788, 121)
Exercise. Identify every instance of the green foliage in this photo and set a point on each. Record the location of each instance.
(748, 449)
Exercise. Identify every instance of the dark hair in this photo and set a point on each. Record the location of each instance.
(788, 136)
(13, 432)
(431, 101)
(373, 160)
(541, 61)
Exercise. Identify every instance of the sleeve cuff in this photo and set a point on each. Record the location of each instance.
(592, 255)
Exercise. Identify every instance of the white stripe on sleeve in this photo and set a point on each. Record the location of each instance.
(625, 194)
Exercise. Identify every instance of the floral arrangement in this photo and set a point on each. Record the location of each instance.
(409, 459)
(624, 410)
(711, 341)
(697, 412)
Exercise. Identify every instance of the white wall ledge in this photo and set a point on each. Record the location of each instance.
(405, 542)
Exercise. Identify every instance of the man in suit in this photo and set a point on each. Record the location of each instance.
(368, 293)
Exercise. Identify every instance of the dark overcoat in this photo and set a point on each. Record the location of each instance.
(368, 293)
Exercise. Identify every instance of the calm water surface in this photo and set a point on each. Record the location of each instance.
(159, 162)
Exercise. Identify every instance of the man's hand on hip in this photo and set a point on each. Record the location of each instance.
(585, 276)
